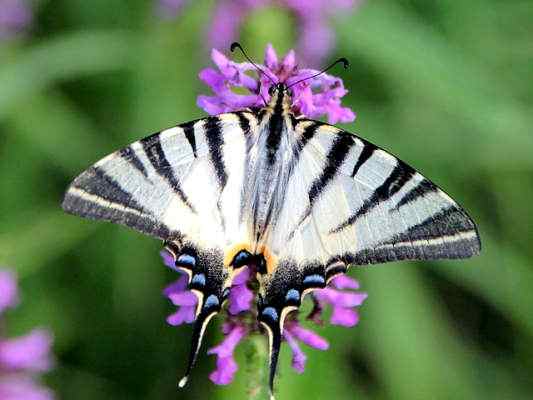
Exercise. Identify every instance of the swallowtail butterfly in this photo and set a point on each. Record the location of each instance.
(299, 198)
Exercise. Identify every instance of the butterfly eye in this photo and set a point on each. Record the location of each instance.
(271, 90)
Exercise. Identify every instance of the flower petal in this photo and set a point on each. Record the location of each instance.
(30, 352)
(240, 296)
(298, 356)
(170, 8)
(344, 316)
(226, 365)
(338, 298)
(168, 259)
(308, 337)
(15, 17)
(271, 58)
(226, 21)
(225, 371)
(313, 97)
(184, 315)
(23, 388)
(8, 290)
(343, 281)
(177, 287)
(185, 298)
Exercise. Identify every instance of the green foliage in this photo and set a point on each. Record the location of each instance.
(445, 85)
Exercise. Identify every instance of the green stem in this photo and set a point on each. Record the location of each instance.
(256, 364)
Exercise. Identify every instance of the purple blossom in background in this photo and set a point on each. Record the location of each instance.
(15, 17)
(22, 358)
(169, 8)
(341, 295)
(316, 37)
(312, 98)
(8, 290)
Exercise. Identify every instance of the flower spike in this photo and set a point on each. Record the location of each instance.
(314, 93)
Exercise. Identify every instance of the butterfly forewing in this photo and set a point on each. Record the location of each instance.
(367, 206)
(169, 184)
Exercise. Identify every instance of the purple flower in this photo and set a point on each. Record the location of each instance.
(15, 17)
(316, 37)
(22, 358)
(240, 296)
(341, 296)
(177, 292)
(293, 333)
(8, 290)
(30, 352)
(22, 388)
(169, 8)
(312, 98)
(226, 365)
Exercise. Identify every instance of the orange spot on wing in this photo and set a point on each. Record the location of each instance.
(270, 259)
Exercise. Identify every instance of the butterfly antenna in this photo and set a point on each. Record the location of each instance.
(237, 45)
(345, 64)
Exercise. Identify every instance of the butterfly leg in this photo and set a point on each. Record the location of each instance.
(206, 280)
(281, 293)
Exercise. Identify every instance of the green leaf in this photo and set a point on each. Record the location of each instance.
(60, 59)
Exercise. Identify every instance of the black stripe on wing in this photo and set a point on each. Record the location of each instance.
(455, 228)
(97, 183)
(421, 189)
(89, 209)
(365, 155)
(188, 130)
(334, 159)
(128, 154)
(399, 176)
(336, 155)
(457, 237)
(95, 195)
(213, 136)
(155, 153)
(308, 132)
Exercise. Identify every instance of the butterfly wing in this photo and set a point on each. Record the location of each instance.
(164, 184)
(182, 185)
(359, 204)
(350, 202)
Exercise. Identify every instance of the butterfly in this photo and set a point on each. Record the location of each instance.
(299, 199)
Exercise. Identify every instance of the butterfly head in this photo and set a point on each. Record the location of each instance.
(280, 97)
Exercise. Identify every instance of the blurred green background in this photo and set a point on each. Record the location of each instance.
(445, 85)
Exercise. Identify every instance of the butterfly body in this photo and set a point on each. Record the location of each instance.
(298, 198)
